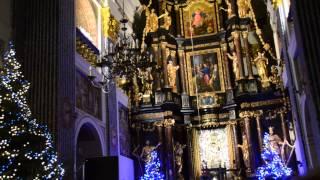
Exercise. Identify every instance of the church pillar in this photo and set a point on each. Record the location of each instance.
(246, 47)
(170, 170)
(226, 64)
(236, 39)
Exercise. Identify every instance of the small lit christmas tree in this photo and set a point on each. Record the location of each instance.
(26, 147)
(274, 168)
(152, 168)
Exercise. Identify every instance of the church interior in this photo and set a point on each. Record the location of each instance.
(159, 89)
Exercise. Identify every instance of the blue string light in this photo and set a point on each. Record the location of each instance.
(152, 168)
(25, 146)
(274, 167)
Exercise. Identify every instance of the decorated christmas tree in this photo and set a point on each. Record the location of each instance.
(274, 168)
(26, 147)
(152, 168)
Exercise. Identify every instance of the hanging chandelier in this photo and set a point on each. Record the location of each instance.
(121, 59)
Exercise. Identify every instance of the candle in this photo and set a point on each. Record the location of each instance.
(90, 70)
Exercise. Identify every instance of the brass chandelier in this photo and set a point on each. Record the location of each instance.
(122, 59)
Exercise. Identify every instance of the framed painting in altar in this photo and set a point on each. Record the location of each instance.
(124, 131)
(216, 148)
(205, 73)
(200, 18)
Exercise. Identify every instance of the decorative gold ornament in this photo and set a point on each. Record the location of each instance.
(228, 10)
(167, 20)
(243, 8)
(168, 122)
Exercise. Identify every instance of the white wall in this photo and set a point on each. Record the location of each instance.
(126, 168)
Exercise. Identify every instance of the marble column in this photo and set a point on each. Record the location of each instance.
(164, 57)
(170, 170)
(178, 25)
(235, 142)
(282, 113)
(258, 115)
(246, 115)
(155, 48)
(246, 47)
(236, 40)
(159, 130)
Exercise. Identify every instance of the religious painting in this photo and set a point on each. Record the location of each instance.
(214, 148)
(200, 18)
(205, 74)
(124, 134)
(88, 97)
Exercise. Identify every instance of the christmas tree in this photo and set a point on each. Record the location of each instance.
(26, 147)
(152, 168)
(274, 168)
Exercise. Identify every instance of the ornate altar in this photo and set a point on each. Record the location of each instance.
(216, 89)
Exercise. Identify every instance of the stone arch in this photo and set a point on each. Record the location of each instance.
(89, 142)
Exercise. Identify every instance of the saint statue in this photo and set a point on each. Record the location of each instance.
(172, 73)
(153, 21)
(146, 80)
(229, 10)
(146, 151)
(167, 20)
(276, 144)
(243, 8)
(245, 150)
(261, 63)
(235, 64)
(178, 152)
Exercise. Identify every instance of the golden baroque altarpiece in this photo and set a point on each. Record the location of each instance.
(216, 89)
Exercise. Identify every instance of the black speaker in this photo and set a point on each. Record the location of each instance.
(102, 168)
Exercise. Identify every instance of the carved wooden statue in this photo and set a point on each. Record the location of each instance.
(276, 144)
(178, 151)
(245, 150)
(243, 8)
(146, 151)
(172, 73)
(167, 20)
(146, 80)
(261, 63)
(235, 64)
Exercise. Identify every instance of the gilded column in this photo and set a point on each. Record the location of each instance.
(226, 64)
(235, 141)
(246, 115)
(236, 39)
(194, 151)
(246, 47)
(164, 63)
(258, 115)
(168, 123)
